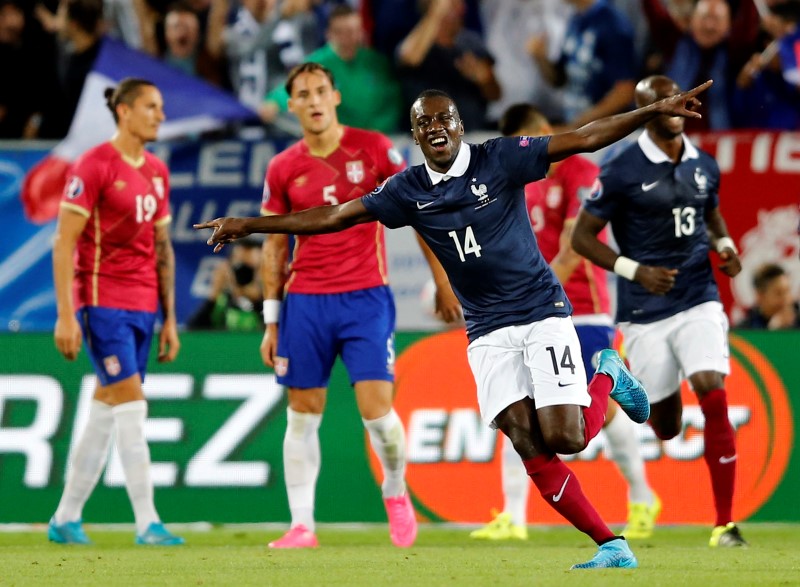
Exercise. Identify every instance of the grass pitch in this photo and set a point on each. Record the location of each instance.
(364, 557)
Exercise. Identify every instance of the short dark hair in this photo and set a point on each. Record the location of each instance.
(431, 93)
(126, 92)
(308, 67)
(340, 11)
(518, 117)
(765, 275)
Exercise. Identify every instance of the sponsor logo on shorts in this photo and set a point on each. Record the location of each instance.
(281, 366)
(112, 365)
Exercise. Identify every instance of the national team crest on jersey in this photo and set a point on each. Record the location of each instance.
(701, 180)
(597, 190)
(158, 185)
(355, 171)
(112, 366)
(74, 187)
(281, 366)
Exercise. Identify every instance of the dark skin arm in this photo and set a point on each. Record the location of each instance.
(603, 132)
(320, 220)
(656, 280)
(731, 265)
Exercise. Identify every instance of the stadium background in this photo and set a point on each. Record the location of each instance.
(217, 417)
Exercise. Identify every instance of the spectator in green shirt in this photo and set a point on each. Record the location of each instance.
(371, 97)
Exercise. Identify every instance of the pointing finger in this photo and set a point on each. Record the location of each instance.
(205, 225)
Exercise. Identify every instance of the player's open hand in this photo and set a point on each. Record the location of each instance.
(684, 104)
(226, 230)
(656, 280)
(67, 337)
(731, 265)
(269, 345)
(448, 308)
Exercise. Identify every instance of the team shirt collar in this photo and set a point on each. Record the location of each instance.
(656, 155)
(457, 169)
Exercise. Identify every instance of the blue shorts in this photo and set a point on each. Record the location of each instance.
(316, 328)
(594, 338)
(117, 341)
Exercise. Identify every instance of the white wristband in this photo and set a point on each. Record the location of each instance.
(625, 267)
(726, 242)
(270, 311)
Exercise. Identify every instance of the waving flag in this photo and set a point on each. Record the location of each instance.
(191, 106)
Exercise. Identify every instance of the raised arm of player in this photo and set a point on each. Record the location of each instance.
(656, 280)
(722, 243)
(319, 220)
(168, 343)
(603, 132)
(67, 333)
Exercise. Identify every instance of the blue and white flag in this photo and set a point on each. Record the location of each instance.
(191, 106)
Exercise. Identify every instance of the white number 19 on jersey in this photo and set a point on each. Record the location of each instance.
(471, 246)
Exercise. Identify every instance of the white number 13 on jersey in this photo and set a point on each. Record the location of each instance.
(471, 246)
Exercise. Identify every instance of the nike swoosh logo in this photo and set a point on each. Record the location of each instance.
(726, 460)
(420, 205)
(557, 497)
(564, 384)
(646, 187)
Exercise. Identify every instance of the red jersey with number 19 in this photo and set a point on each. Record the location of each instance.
(297, 180)
(123, 200)
(551, 202)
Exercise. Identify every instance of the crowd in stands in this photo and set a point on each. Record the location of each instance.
(577, 60)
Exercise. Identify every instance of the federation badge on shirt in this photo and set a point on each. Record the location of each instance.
(158, 185)
(355, 171)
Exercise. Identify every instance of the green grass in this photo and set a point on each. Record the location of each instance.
(364, 557)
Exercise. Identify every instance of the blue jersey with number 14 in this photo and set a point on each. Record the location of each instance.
(477, 226)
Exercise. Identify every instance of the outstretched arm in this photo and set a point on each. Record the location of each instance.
(320, 220)
(603, 132)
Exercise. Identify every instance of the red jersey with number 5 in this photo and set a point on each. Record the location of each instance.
(551, 202)
(123, 201)
(296, 180)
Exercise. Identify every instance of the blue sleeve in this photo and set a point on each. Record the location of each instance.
(524, 159)
(385, 203)
(606, 196)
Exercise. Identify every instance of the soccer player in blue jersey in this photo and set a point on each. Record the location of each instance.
(468, 204)
(660, 196)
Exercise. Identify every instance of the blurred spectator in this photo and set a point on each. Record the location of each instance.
(763, 99)
(235, 300)
(122, 21)
(184, 48)
(440, 53)
(597, 64)
(264, 41)
(26, 68)
(79, 26)
(510, 26)
(713, 47)
(787, 16)
(774, 308)
(370, 92)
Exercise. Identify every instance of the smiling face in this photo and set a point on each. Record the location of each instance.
(437, 129)
(314, 101)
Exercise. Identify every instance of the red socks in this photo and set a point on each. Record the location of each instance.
(561, 490)
(594, 415)
(720, 452)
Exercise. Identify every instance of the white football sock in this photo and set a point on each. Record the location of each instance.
(388, 439)
(516, 484)
(623, 445)
(87, 462)
(301, 464)
(134, 454)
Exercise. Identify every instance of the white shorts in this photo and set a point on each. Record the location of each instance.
(664, 353)
(541, 360)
